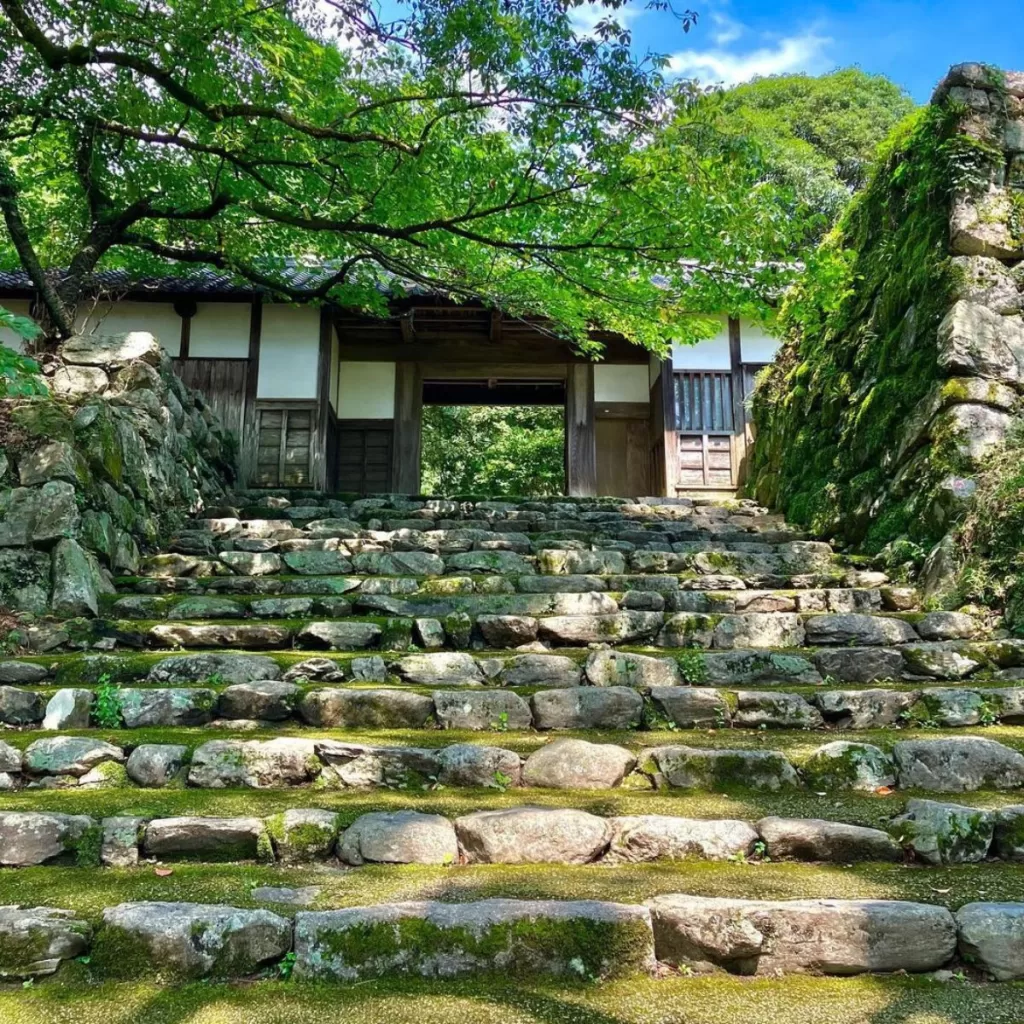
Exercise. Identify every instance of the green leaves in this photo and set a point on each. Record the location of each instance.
(19, 375)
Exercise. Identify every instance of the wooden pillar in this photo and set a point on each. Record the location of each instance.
(664, 432)
(319, 469)
(739, 431)
(405, 473)
(580, 431)
(249, 441)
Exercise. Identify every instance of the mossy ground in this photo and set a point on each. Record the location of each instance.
(69, 998)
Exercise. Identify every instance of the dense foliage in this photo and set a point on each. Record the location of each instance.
(861, 350)
(19, 375)
(480, 148)
(819, 134)
(500, 452)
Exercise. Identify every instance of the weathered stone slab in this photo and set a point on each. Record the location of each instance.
(652, 837)
(34, 940)
(516, 937)
(207, 839)
(255, 764)
(829, 841)
(828, 936)
(532, 835)
(941, 833)
(587, 707)
(399, 837)
(958, 764)
(682, 767)
(482, 709)
(991, 936)
(28, 838)
(577, 764)
(229, 668)
(334, 707)
(619, 668)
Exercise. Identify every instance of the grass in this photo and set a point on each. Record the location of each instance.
(89, 890)
(69, 998)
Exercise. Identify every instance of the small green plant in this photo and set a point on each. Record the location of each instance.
(501, 724)
(106, 709)
(286, 966)
(693, 667)
(501, 781)
(988, 713)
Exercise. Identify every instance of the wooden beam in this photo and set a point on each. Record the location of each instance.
(622, 410)
(580, 432)
(664, 438)
(319, 446)
(249, 441)
(496, 325)
(407, 327)
(405, 474)
(739, 443)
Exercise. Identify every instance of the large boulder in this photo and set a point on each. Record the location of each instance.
(111, 350)
(587, 707)
(652, 837)
(844, 765)
(28, 838)
(169, 706)
(20, 707)
(255, 764)
(34, 940)
(958, 764)
(399, 837)
(204, 838)
(190, 940)
(581, 939)
(774, 710)
(69, 755)
(449, 668)
(334, 707)
(682, 767)
(68, 709)
(864, 709)
(577, 764)
(830, 841)
(532, 835)
(497, 710)
(619, 668)
(691, 707)
(154, 765)
(303, 834)
(827, 936)
(624, 627)
(941, 833)
(552, 671)
(870, 630)
(976, 342)
(75, 586)
(860, 664)
(337, 635)
(228, 668)
(270, 700)
(991, 936)
(470, 764)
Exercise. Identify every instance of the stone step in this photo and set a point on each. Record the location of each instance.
(512, 835)
(952, 764)
(781, 631)
(786, 561)
(575, 939)
(607, 693)
(998, 663)
(404, 598)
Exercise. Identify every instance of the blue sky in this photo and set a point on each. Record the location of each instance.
(913, 42)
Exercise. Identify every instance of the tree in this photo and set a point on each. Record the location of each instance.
(480, 148)
(503, 452)
(819, 134)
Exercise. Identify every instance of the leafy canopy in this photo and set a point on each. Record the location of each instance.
(819, 134)
(479, 148)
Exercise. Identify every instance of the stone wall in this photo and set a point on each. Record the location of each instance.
(891, 392)
(99, 471)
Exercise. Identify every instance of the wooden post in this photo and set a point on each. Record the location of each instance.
(319, 470)
(664, 433)
(739, 432)
(580, 432)
(405, 476)
(249, 441)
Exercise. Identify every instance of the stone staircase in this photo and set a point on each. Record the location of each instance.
(361, 713)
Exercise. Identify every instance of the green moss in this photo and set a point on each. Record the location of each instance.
(86, 848)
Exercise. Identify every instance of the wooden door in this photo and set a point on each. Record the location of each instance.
(705, 413)
(285, 433)
(623, 465)
(364, 456)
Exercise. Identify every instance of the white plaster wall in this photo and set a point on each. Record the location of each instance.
(289, 352)
(20, 308)
(756, 344)
(622, 383)
(158, 318)
(710, 354)
(220, 330)
(366, 391)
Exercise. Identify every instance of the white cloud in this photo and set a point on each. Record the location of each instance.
(586, 17)
(805, 52)
(727, 30)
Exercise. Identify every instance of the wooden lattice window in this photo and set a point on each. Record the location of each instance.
(704, 402)
(285, 434)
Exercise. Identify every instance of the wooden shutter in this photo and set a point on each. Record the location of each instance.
(285, 435)
(364, 456)
(705, 416)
